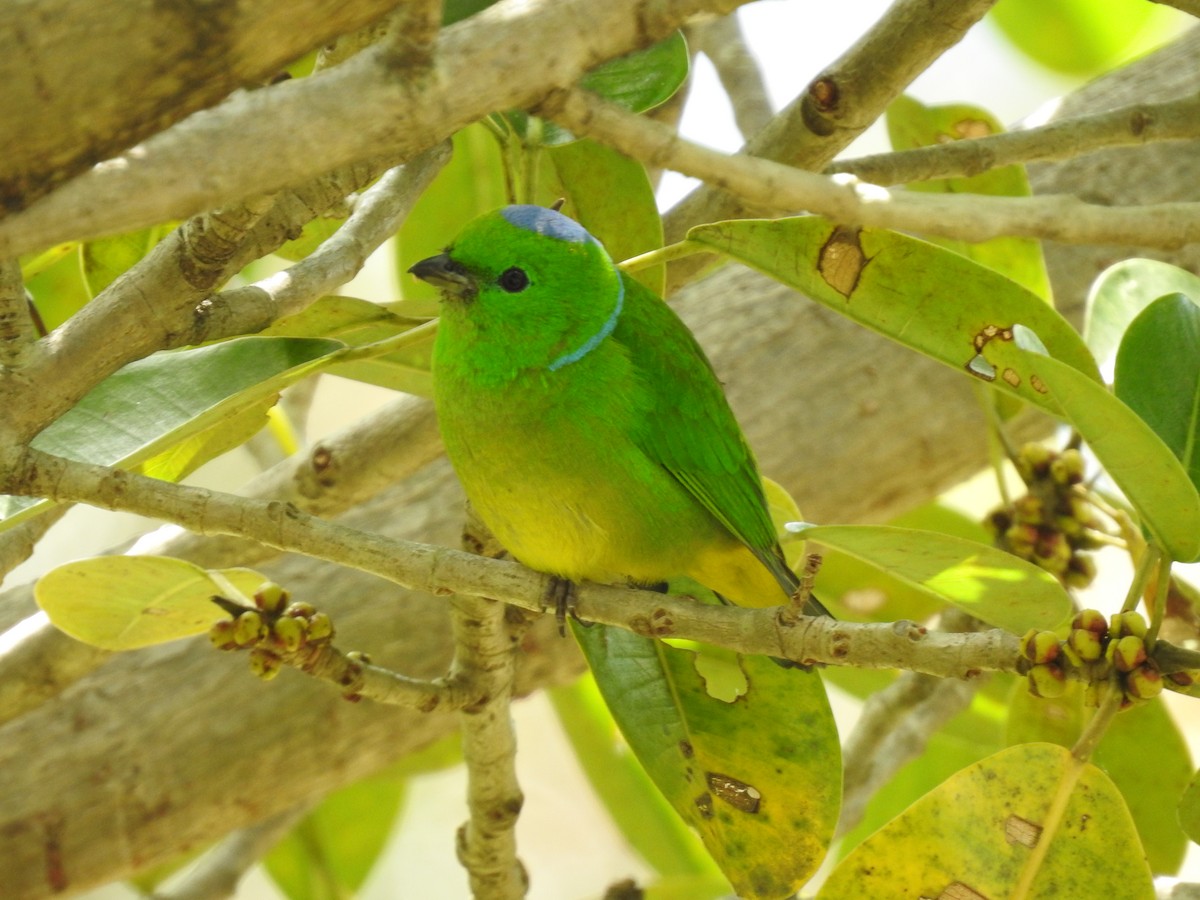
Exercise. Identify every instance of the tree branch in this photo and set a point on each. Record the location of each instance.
(377, 216)
(217, 873)
(440, 570)
(895, 726)
(838, 106)
(722, 41)
(271, 138)
(68, 91)
(17, 331)
(1139, 123)
(769, 185)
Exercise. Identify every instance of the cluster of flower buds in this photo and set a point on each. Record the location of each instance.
(1049, 525)
(273, 630)
(1095, 648)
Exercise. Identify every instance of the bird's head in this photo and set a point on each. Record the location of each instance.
(526, 284)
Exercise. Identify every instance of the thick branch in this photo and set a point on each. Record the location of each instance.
(769, 185)
(69, 89)
(268, 139)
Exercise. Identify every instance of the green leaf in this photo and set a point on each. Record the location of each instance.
(759, 778)
(355, 323)
(1076, 37)
(912, 124)
(126, 602)
(1189, 810)
(976, 830)
(920, 295)
(1142, 751)
(640, 812)
(58, 288)
(150, 405)
(1158, 375)
(330, 853)
(638, 81)
(105, 259)
(1143, 467)
(1121, 292)
(610, 195)
(471, 184)
(315, 232)
(643, 79)
(990, 584)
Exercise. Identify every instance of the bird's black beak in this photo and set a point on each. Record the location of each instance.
(447, 275)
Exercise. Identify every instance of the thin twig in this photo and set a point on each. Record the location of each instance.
(769, 185)
(1139, 123)
(376, 217)
(216, 874)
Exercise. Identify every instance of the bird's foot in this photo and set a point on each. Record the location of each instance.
(561, 595)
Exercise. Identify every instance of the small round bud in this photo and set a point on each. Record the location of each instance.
(320, 627)
(1144, 683)
(1129, 653)
(1128, 623)
(222, 634)
(1033, 461)
(249, 628)
(1086, 643)
(270, 597)
(290, 632)
(1081, 571)
(1067, 468)
(1047, 681)
(264, 664)
(300, 609)
(1040, 646)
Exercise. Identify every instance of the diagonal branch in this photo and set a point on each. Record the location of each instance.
(1139, 123)
(838, 106)
(769, 185)
(265, 140)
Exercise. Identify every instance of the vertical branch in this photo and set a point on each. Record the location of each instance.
(722, 41)
(484, 665)
(17, 331)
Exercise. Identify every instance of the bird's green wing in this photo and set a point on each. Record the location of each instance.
(690, 429)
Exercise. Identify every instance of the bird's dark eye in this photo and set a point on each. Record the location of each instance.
(514, 280)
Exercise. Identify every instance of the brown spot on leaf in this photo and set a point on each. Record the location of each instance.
(842, 260)
(1037, 384)
(704, 805)
(1021, 831)
(686, 748)
(1011, 376)
(738, 794)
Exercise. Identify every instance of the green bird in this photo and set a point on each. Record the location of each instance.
(584, 421)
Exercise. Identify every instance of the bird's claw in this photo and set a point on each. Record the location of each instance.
(561, 595)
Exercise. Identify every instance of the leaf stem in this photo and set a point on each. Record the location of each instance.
(662, 255)
(1080, 754)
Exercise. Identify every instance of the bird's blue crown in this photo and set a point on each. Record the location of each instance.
(541, 220)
